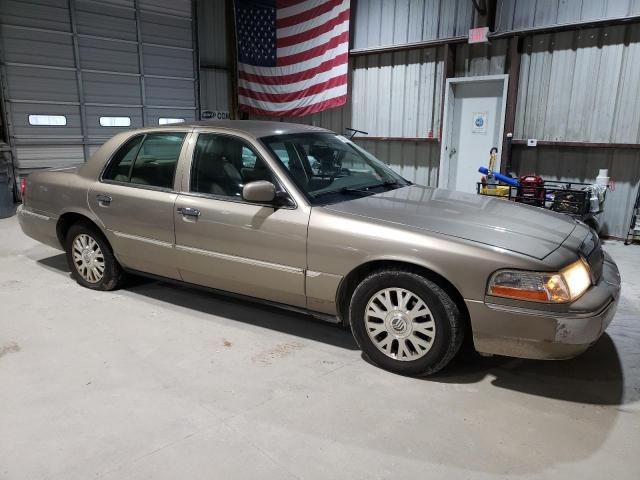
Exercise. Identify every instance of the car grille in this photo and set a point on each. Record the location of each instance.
(591, 250)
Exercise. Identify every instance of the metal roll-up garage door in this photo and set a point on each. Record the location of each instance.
(76, 72)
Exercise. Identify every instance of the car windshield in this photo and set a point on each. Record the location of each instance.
(329, 168)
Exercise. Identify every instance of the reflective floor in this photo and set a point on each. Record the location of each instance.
(164, 382)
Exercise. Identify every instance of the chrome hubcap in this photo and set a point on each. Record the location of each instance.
(88, 258)
(400, 324)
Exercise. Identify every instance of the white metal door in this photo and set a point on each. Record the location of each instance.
(474, 122)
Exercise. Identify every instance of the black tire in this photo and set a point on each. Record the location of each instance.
(449, 327)
(113, 275)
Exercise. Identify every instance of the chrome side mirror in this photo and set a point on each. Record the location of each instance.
(259, 191)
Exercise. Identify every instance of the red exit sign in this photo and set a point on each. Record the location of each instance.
(478, 35)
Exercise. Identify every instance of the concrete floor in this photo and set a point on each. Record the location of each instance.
(158, 381)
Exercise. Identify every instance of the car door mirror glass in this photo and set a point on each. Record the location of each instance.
(259, 191)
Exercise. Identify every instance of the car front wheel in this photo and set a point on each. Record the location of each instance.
(405, 323)
(90, 258)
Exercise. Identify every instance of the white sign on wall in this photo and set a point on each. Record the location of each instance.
(479, 122)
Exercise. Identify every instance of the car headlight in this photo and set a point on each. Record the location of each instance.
(565, 286)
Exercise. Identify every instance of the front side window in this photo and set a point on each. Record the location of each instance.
(329, 168)
(222, 165)
(147, 160)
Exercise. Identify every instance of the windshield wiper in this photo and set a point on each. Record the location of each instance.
(343, 190)
(361, 189)
(388, 183)
(364, 191)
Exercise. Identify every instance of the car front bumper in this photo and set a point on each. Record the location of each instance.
(542, 334)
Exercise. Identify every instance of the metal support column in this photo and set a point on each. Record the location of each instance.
(196, 57)
(76, 60)
(143, 99)
(5, 111)
(513, 70)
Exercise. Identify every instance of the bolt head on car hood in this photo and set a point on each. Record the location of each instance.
(497, 222)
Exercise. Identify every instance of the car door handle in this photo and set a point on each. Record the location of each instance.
(189, 212)
(104, 199)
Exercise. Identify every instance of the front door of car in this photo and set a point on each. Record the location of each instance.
(135, 198)
(226, 243)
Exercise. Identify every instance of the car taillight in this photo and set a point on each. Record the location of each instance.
(23, 188)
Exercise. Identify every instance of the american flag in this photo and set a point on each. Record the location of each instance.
(292, 55)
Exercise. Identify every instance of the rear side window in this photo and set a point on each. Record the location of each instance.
(147, 160)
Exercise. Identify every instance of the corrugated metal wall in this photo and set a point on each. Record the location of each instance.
(520, 14)
(395, 22)
(581, 86)
(85, 59)
(416, 161)
(215, 57)
(582, 165)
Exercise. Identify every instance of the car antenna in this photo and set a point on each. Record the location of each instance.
(354, 131)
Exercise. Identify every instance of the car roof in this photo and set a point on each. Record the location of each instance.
(255, 128)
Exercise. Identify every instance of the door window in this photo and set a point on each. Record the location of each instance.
(222, 165)
(147, 160)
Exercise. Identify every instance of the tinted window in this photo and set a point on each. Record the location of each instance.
(248, 158)
(147, 160)
(222, 165)
(281, 151)
(120, 167)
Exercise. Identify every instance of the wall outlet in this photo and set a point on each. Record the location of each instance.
(532, 142)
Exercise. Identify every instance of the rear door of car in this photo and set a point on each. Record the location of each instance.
(134, 198)
(229, 244)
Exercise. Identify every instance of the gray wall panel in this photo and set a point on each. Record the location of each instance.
(163, 91)
(37, 157)
(481, 59)
(393, 94)
(180, 8)
(96, 18)
(581, 86)
(164, 30)
(36, 47)
(42, 84)
(379, 23)
(168, 62)
(519, 14)
(212, 31)
(118, 3)
(215, 90)
(49, 14)
(105, 88)
(415, 161)
(97, 54)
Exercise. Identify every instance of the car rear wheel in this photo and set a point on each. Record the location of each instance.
(405, 323)
(91, 260)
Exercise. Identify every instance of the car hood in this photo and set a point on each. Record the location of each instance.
(497, 222)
